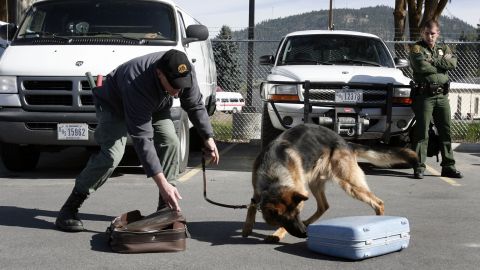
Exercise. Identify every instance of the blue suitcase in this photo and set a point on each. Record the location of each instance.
(359, 237)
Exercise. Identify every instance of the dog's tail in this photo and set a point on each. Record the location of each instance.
(385, 156)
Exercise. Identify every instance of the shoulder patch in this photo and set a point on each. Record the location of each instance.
(416, 48)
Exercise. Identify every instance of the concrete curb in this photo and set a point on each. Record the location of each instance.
(466, 147)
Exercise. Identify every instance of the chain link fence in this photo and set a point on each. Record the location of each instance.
(239, 125)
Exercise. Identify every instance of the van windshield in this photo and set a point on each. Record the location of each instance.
(334, 50)
(98, 20)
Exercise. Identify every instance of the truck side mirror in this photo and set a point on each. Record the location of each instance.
(267, 60)
(262, 90)
(195, 32)
(7, 31)
(401, 63)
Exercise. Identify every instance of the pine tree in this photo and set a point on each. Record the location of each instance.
(226, 60)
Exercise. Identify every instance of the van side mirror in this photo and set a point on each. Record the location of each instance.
(7, 31)
(401, 63)
(195, 32)
(267, 60)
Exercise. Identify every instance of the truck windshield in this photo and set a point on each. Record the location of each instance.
(334, 50)
(136, 20)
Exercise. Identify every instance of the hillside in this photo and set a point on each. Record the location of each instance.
(377, 20)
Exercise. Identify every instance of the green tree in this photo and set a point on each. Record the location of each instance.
(226, 60)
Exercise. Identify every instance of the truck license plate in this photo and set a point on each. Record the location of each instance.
(349, 96)
(66, 132)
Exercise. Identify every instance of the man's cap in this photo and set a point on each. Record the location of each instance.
(176, 67)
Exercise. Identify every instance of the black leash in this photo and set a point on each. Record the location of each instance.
(213, 202)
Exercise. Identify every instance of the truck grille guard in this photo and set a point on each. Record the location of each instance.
(308, 103)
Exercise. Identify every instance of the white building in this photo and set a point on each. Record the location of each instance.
(464, 101)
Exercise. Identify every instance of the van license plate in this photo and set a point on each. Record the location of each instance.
(349, 96)
(69, 132)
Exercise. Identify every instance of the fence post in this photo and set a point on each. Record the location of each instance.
(251, 36)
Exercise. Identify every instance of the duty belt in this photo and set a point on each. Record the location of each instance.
(431, 89)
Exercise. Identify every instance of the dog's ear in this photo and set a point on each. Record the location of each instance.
(298, 197)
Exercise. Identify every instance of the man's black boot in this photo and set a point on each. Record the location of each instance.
(451, 173)
(67, 219)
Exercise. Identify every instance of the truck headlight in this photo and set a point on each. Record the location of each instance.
(401, 92)
(284, 90)
(283, 93)
(8, 85)
(402, 96)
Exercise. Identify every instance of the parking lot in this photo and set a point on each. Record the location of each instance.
(443, 215)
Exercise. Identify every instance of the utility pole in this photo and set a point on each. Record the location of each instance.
(330, 16)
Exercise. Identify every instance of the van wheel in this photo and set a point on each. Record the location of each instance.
(268, 131)
(235, 110)
(184, 138)
(18, 158)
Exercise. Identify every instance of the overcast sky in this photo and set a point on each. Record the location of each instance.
(234, 13)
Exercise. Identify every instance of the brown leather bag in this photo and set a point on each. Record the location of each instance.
(162, 231)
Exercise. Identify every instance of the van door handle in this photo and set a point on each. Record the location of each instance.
(194, 60)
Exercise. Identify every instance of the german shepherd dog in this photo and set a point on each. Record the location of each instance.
(311, 155)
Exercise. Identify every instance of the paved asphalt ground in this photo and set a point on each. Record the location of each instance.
(443, 213)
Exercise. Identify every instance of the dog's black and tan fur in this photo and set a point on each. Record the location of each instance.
(311, 155)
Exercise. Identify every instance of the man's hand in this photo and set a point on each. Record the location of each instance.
(169, 193)
(210, 152)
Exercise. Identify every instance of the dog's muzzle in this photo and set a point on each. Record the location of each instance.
(296, 228)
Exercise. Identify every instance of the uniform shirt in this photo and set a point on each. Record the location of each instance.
(133, 91)
(431, 65)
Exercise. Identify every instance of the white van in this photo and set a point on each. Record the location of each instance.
(42, 71)
(230, 102)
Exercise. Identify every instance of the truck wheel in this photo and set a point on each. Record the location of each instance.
(403, 141)
(19, 158)
(184, 138)
(400, 141)
(268, 131)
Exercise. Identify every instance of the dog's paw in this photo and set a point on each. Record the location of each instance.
(380, 210)
(272, 239)
(246, 232)
(247, 229)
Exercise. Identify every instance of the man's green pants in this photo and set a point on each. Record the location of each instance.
(425, 108)
(111, 135)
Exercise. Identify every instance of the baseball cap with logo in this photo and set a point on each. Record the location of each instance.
(176, 67)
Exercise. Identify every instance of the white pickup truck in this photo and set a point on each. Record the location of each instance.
(347, 81)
